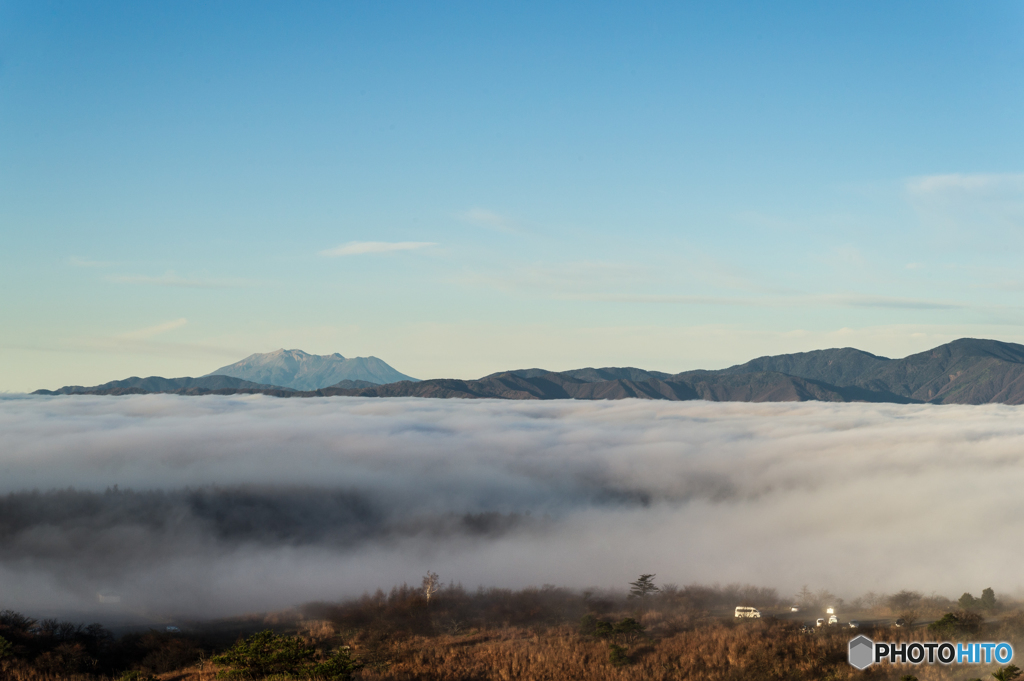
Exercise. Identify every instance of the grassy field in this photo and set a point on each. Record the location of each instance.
(543, 634)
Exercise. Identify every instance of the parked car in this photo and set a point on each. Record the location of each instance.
(742, 611)
(832, 619)
(900, 622)
(854, 624)
(820, 622)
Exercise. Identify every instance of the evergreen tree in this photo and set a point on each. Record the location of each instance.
(1007, 673)
(643, 587)
(988, 599)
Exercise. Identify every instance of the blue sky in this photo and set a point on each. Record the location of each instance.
(465, 188)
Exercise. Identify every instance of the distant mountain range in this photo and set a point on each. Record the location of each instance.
(966, 371)
(281, 370)
(301, 371)
(156, 384)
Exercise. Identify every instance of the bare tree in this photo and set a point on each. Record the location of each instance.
(905, 600)
(909, 616)
(431, 583)
(805, 599)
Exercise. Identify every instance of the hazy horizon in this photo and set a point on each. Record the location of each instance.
(515, 368)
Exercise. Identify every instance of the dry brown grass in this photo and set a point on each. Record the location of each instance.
(712, 650)
(29, 674)
(753, 650)
(716, 652)
(535, 634)
(201, 672)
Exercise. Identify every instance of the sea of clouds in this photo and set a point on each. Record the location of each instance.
(237, 504)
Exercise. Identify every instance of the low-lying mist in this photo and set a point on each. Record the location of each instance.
(226, 505)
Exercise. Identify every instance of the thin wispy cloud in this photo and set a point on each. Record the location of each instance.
(667, 299)
(887, 302)
(172, 280)
(151, 331)
(489, 219)
(960, 183)
(366, 247)
(979, 211)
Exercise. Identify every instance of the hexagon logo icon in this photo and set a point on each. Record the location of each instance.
(862, 651)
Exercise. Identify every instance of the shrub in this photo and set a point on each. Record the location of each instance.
(953, 623)
(166, 654)
(5, 648)
(588, 625)
(617, 655)
(629, 629)
(944, 626)
(337, 667)
(1007, 673)
(269, 654)
(376, 652)
(264, 654)
(66, 659)
(136, 675)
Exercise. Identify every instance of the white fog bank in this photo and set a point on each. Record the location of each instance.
(232, 504)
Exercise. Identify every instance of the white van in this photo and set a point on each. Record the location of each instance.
(742, 611)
